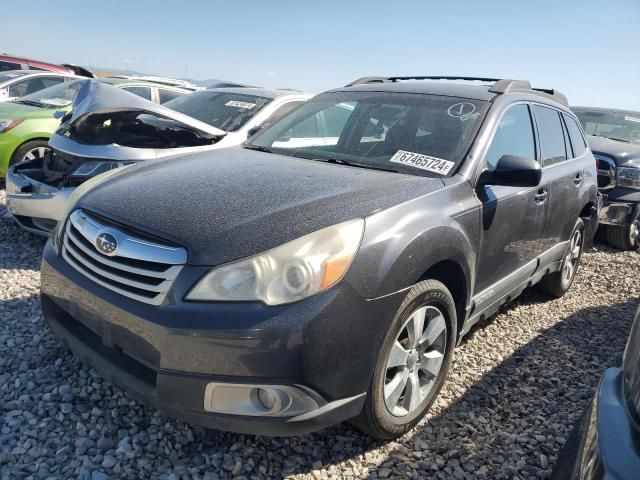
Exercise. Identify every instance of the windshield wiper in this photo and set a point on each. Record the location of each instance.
(30, 102)
(340, 161)
(258, 148)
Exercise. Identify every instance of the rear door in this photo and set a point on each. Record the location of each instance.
(563, 173)
(513, 218)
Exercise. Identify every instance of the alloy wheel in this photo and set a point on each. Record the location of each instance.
(572, 258)
(415, 360)
(35, 154)
(634, 233)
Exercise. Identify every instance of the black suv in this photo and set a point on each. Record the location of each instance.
(614, 137)
(326, 270)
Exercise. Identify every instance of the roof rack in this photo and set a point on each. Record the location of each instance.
(500, 85)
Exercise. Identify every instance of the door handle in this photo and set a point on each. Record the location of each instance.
(578, 179)
(541, 196)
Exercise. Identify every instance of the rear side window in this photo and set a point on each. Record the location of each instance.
(4, 66)
(144, 92)
(514, 136)
(166, 95)
(577, 140)
(552, 146)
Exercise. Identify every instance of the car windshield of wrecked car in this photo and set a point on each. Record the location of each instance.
(416, 134)
(623, 126)
(61, 95)
(223, 110)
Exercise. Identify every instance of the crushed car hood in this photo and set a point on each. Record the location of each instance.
(228, 204)
(98, 98)
(620, 152)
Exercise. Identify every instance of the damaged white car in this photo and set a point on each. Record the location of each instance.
(109, 128)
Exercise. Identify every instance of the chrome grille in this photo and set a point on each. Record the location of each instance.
(606, 171)
(138, 268)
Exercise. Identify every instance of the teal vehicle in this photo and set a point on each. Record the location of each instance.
(26, 124)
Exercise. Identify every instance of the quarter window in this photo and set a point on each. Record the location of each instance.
(552, 146)
(514, 136)
(577, 140)
(144, 92)
(166, 95)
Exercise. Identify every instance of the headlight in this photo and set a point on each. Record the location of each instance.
(287, 273)
(629, 177)
(6, 124)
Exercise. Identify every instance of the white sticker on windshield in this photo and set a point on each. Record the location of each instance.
(424, 162)
(238, 104)
(462, 110)
(632, 119)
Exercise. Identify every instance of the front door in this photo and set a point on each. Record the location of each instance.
(513, 218)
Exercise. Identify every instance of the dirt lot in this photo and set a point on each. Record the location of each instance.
(518, 383)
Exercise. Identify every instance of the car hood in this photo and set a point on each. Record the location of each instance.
(96, 98)
(620, 152)
(228, 204)
(17, 111)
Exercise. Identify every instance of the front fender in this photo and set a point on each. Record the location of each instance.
(399, 248)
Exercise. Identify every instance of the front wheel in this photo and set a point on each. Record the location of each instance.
(413, 362)
(558, 283)
(31, 150)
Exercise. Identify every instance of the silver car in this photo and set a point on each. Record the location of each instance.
(18, 83)
(110, 128)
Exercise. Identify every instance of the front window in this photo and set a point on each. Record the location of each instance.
(61, 95)
(223, 110)
(407, 133)
(623, 126)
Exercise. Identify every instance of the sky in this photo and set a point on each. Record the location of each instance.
(587, 49)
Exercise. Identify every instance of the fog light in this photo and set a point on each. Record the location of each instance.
(267, 399)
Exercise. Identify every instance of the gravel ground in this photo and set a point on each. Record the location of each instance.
(518, 384)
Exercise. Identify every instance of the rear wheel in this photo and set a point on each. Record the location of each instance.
(559, 283)
(624, 237)
(413, 363)
(32, 150)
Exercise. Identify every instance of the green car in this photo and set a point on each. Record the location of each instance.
(27, 124)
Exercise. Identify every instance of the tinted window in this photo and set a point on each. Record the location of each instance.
(32, 85)
(551, 135)
(414, 134)
(514, 136)
(577, 140)
(4, 66)
(166, 95)
(224, 110)
(144, 92)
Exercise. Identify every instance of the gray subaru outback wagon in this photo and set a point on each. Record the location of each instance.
(326, 270)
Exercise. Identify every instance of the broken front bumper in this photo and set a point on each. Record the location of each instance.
(36, 206)
(620, 207)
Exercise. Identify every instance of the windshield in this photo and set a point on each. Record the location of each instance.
(60, 95)
(223, 110)
(623, 126)
(408, 133)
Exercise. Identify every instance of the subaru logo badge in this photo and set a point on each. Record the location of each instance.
(106, 244)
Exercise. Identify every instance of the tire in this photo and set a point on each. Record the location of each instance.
(558, 283)
(624, 238)
(33, 148)
(388, 414)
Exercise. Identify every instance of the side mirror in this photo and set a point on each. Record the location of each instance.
(513, 171)
(253, 130)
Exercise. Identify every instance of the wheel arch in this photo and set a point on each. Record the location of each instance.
(35, 138)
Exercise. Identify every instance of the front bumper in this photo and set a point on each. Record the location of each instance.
(166, 356)
(620, 207)
(610, 442)
(36, 206)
